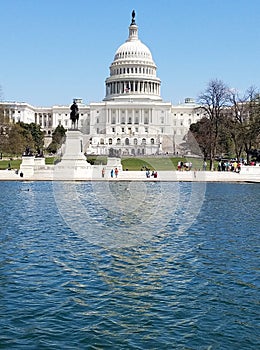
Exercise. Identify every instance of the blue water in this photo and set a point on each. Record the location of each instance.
(192, 286)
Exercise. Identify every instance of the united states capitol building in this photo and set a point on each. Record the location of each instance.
(132, 119)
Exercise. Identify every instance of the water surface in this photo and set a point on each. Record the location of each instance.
(180, 286)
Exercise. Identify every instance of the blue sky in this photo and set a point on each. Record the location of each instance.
(54, 50)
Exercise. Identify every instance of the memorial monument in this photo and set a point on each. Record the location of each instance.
(73, 164)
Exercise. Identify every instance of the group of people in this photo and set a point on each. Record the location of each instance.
(151, 174)
(113, 172)
(229, 166)
(184, 166)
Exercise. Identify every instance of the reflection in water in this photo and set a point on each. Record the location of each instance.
(127, 213)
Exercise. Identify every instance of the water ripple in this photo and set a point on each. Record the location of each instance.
(183, 289)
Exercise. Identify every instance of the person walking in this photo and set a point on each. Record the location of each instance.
(116, 172)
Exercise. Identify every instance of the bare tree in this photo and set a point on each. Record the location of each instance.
(213, 102)
(252, 122)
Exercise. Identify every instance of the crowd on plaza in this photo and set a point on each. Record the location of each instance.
(233, 165)
(184, 165)
(227, 165)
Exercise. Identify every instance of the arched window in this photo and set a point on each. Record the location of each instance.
(118, 141)
(110, 141)
(135, 141)
(152, 141)
(127, 141)
(143, 141)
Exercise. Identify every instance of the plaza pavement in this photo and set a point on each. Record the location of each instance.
(246, 175)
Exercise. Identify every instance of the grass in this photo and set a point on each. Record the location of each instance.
(158, 163)
(15, 164)
(49, 160)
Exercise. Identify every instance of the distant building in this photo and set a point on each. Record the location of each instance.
(132, 119)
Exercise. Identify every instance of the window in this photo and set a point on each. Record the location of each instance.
(113, 130)
(118, 141)
(152, 141)
(143, 141)
(102, 141)
(135, 141)
(129, 120)
(146, 129)
(127, 141)
(145, 120)
(110, 141)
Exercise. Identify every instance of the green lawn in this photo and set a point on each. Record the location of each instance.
(158, 163)
(15, 164)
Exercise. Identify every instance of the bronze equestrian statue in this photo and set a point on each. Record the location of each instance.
(74, 114)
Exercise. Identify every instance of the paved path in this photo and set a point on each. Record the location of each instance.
(196, 176)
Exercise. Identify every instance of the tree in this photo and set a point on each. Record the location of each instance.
(213, 102)
(17, 140)
(36, 133)
(252, 122)
(243, 121)
(57, 139)
(201, 132)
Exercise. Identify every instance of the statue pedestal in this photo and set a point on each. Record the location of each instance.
(114, 162)
(73, 164)
(27, 165)
(39, 162)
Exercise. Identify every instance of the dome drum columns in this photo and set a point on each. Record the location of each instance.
(136, 87)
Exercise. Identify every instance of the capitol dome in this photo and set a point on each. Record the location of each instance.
(135, 50)
(133, 71)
